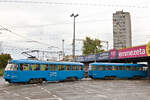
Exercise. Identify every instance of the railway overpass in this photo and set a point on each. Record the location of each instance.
(126, 55)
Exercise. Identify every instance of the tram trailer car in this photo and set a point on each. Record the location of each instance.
(34, 71)
(117, 70)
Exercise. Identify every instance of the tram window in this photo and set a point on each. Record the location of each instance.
(80, 68)
(115, 67)
(21, 66)
(60, 67)
(53, 67)
(24, 67)
(121, 68)
(11, 66)
(145, 68)
(128, 68)
(93, 67)
(124, 68)
(44, 67)
(35, 67)
(74, 67)
(67, 67)
(108, 67)
(100, 68)
(139, 68)
(15, 67)
(133, 68)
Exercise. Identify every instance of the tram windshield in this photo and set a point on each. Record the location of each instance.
(90, 67)
(11, 67)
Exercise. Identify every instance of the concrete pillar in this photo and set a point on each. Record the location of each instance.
(134, 62)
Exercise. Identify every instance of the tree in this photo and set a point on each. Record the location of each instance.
(4, 60)
(91, 46)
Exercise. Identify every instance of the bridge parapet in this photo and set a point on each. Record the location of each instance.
(133, 52)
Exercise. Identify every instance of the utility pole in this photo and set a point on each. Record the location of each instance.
(73, 44)
(63, 54)
(107, 45)
(95, 53)
(43, 55)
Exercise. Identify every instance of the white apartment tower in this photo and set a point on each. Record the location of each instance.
(121, 30)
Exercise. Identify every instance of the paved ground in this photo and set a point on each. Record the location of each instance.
(80, 90)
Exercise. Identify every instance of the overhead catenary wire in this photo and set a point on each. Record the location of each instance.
(71, 3)
(14, 33)
(68, 23)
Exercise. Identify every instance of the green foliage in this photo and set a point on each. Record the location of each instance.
(1, 71)
(4, 60)
(91, 46)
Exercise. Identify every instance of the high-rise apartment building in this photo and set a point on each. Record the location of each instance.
(121, 30)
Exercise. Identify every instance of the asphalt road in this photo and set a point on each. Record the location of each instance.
(86, 89)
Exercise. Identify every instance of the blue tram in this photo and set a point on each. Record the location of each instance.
(33, 71)
(117, 70)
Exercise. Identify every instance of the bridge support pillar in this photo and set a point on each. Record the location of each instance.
(134, 62)
(148, 63)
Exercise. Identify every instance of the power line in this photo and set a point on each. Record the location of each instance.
(31, 40)
(70, 3)
(78, 22)
(46, 25)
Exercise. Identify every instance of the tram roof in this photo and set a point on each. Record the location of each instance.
(118, 64)
(26, 61)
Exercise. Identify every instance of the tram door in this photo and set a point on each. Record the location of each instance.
(53, 73)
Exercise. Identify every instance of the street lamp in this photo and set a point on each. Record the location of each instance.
(95, 52)
(73, 44)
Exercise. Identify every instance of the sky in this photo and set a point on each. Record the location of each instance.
(43, 24)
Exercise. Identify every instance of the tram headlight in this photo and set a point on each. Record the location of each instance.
(13, 76)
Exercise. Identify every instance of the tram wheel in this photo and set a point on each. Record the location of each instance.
(91, 77)
(9, 81)
(113, 77)
(31, 81)
(71, 79)
(137, 77)
(106, 78)
(40, 80)
(74, 79)
(68, 79)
